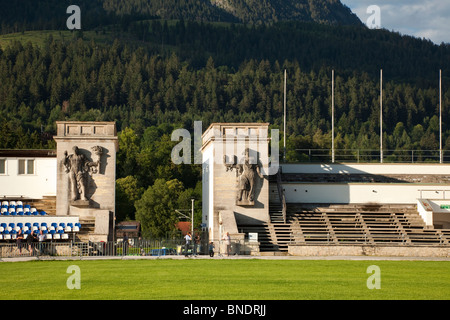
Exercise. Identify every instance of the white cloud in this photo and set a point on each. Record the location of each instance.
(420, 18)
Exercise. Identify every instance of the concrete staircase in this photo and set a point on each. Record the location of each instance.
(87, 228)
(345, 224)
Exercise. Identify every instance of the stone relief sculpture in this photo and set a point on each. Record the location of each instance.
(78, 167)
(247, 171)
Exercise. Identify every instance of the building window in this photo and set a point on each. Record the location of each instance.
(26, 166)
(2, 166)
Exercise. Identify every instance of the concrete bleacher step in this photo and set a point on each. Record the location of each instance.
(87, 228)
(264, 235)
(354, 224)
(47, 204)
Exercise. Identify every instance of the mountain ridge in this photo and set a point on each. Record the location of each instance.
(51, 14)
(322, 11)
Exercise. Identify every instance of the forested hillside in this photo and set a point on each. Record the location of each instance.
(17, 16)
(152, 76)
(82, 80)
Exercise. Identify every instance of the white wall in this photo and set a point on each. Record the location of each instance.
(354, 193)
(208, 187)
(376, 168)
(431, 212)
(35, 186)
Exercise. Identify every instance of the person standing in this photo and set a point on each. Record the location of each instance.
(30, 241)
(19, 241)
(227, 239)
(125, 244)
(211, 249)
(188, 239)
(41, 239)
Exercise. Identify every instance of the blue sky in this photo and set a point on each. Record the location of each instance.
(428, 19)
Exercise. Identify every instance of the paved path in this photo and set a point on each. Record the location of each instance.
(234, 257)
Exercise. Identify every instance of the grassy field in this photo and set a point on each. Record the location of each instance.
(203, 279)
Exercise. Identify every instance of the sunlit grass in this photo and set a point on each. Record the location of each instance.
(243, 279)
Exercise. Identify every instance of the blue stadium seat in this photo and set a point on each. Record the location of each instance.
(43, 213)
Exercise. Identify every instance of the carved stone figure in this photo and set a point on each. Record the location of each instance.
(247, 172)
(78, 167)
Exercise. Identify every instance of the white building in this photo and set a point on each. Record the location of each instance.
(28, 174)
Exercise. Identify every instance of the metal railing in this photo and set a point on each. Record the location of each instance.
(281, 195)
(371, 155)
(122, 249)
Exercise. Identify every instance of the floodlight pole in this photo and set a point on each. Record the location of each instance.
(284, 120)
(381, 116)
(441, 156)
(192, 219)
(332, 117)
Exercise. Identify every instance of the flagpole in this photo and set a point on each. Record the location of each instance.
(284, 121)
(381, 116)
(441, 156)
(332, 117)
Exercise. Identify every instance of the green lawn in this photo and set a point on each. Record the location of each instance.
(203, 279)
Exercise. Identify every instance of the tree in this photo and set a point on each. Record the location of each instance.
(126, 157)
(156, 208)
(127, 192)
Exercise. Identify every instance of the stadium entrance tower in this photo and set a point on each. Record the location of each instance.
(235, 164)
(86, 173)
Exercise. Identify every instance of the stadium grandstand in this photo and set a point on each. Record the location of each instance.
(297, 222)
(28, 198)
(322, 208)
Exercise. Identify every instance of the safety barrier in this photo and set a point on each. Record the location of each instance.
(120, 248)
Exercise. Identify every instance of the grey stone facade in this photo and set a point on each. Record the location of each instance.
(86, 172)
